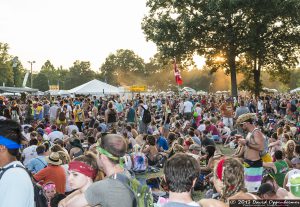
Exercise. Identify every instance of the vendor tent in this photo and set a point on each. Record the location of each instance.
(95, 87)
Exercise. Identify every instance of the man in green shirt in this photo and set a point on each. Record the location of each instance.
(280, 167)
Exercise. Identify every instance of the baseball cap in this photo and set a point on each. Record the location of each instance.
(295, 160)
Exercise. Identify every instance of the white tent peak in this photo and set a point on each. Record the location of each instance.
(94, 87)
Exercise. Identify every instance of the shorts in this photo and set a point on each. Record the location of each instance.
(253, 171)
(187, 116)
(228, 122)
(58, 122)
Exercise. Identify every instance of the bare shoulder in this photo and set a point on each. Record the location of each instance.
(211, 203)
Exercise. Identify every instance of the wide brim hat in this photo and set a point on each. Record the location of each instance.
(53, 159)
(245, 117)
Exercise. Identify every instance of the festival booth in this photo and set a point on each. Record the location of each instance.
(95, 88)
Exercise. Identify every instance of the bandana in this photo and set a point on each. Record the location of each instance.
(49, 186)
(219, 169)
(83, 168)
(109, 155)
(9, 144)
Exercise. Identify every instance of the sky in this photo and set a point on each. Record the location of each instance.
(67, 30)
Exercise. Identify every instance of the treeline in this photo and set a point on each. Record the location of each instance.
(125, 68)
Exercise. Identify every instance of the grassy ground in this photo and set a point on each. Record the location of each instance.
(197, 195)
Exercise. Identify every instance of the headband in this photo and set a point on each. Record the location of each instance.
(110, 156)
(83, 168)
(9, 144)
(49, 186)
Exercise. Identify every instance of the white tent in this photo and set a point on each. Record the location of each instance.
(58, 93)
(296, 90)
(94, 87)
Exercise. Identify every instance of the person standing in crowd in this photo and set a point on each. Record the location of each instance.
(28, 112)
(260, 105)
(181, 172)
(227, 113)
(142, 125)
(242, 109)
(187, 109)
(254, 143)
(110, 115)
(130, 115)
(53, 112)
(46, 110)
(79, 117)
(16, 188)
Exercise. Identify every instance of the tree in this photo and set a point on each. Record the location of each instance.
(117, 66)
(209, 27)
(272, 40)
(6, 70)
(79, 73)
(40, 82)
(265, 32)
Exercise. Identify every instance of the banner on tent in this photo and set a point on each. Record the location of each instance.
(138, 88)
(54, 87)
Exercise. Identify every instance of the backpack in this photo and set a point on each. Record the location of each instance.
(40, 199)
(293, 108)
(142, 193)
(2, 107)
(146, 116)
(62, 116)
(127, 162)
(14, 115)
(139, 162)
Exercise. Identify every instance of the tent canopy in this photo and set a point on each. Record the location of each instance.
(17, 89)
(295, 90)
(94, 87)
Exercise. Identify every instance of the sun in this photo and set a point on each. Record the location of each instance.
(199, 61)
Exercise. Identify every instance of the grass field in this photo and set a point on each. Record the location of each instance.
(197, 195)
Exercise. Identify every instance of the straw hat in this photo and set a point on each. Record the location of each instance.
(53, 159)
(245, 117)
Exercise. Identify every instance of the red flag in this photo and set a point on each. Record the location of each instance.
(177, 74)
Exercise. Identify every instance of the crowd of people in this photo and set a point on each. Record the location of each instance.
(148, 150)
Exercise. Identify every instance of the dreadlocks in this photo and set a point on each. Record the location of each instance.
(232, 178)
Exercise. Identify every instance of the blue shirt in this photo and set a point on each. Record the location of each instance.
(162, 143)
(196, 140)
(36, 164)
(103, 127)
